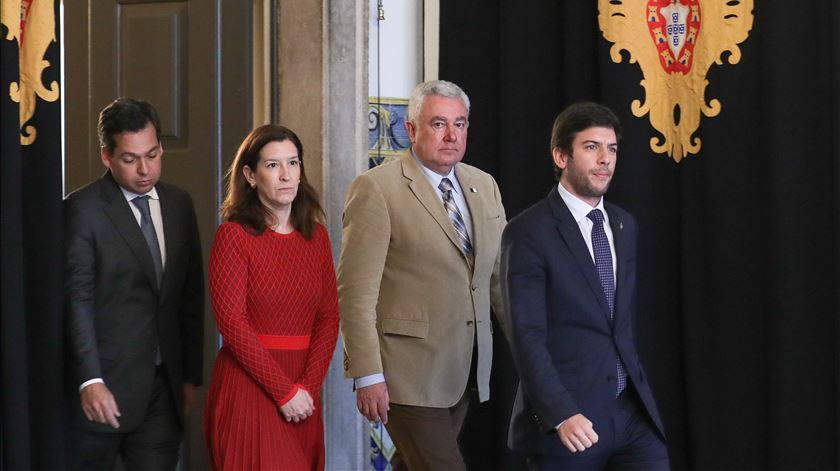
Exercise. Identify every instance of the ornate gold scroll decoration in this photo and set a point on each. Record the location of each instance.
(675, 43)
(32, 24)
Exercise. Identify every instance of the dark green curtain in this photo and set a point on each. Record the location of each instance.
(32, 256)
(739, 246)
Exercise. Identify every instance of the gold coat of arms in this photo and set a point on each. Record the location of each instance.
(675, 43)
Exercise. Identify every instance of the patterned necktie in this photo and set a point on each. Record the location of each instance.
(455, 215)
(147, 227)
(603, 262)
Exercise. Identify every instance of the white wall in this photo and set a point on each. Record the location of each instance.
(399, 50)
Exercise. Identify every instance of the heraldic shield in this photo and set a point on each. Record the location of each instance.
(675, 43)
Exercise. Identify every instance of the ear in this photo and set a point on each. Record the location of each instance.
(412, 130)
(560, 158)
(249, 175)
(105, 154)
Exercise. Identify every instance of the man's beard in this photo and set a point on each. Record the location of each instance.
(583, 187)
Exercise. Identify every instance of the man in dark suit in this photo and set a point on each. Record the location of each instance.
(569, 265)
(134, 300)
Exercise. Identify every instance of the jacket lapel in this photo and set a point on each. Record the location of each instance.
(622, 256)
(173, 232)
(121, 216)
(428, 197)
(570, 232)
(477, 210)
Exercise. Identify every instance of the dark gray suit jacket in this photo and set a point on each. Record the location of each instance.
(116, 315)
(563, 341)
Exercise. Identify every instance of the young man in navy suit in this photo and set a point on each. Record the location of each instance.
(569, 266)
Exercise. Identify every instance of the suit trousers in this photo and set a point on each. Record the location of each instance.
(629, 443)
(153, 445)
(427, 437)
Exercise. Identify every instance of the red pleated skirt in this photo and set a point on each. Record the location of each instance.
(243, 426)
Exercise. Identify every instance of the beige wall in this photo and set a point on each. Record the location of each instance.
(301, 78)
(322, 96)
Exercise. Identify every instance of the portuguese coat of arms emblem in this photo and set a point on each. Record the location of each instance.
(675, 43)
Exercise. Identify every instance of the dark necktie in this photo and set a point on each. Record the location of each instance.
(603, 263)
(455, 215)
(147, 227)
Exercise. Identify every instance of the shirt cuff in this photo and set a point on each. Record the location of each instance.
(91, 381)
(560, 425)
(369, 380)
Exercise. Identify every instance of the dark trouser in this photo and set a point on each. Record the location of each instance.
(630, 443)
(427, 437)
(154, 445)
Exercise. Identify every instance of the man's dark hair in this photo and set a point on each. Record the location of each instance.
(576, 118)
(125, 114)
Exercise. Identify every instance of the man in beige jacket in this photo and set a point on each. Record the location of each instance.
(417, 276)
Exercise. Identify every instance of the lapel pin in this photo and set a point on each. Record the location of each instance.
(620, 226)
(473, 190)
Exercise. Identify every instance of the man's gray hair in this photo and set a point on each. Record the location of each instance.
(434, 87)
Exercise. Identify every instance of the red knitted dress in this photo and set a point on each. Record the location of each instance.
(276, 306)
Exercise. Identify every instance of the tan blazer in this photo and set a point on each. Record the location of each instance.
(411, 306)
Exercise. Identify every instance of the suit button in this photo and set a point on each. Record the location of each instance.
(470, 323)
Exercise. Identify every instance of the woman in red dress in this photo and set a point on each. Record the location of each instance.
(272, 284)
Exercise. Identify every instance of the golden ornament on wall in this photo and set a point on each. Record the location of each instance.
(32, 24)
(675, 43)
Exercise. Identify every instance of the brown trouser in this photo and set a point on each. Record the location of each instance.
(427, 437)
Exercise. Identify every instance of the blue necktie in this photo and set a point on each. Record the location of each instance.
(147, 227)
(455, 215)
(603, 263)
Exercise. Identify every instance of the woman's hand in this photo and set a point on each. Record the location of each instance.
(299, 407)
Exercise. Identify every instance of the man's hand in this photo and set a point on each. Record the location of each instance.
(189, 398)
(299, 407)
(577, 433)
(373, 402)
(99, 405)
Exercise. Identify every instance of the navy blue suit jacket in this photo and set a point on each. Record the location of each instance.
(562, 339)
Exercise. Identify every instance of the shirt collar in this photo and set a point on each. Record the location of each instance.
(579, 208)
(435, 178)
(131, 195)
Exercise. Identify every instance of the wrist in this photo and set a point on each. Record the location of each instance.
(288, 397)
(91, 381)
